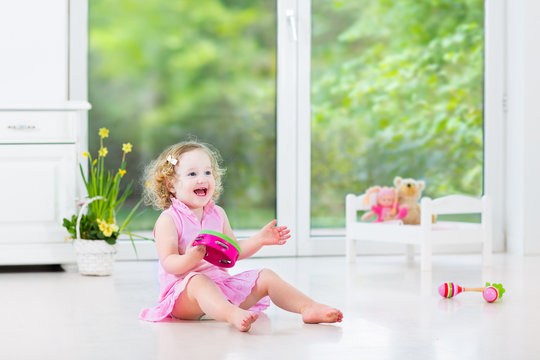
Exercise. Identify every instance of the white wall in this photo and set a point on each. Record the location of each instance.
(523, 127)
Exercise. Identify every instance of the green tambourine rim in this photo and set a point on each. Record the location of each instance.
(223, 236)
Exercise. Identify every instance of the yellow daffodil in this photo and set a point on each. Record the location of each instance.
(127, 147)
(102, 226)
(110, 228)
(107, 232)
(100, 183)
(107, 228)
(103, 132)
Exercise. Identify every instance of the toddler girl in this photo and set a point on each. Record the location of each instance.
(184, 181)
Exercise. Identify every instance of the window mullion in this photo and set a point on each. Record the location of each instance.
(286, 133)
(303, 195)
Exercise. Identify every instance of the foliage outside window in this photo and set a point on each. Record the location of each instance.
(164, 71)
(397, 90)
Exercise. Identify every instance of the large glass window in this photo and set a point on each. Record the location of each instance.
(166, 71)
(396, 90)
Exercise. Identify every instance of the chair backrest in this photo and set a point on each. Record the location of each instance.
(357, 202)
(354, 203)
(455, 204)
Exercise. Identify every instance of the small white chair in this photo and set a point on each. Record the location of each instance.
(427, 233)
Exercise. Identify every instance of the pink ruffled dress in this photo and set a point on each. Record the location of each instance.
(235, 288)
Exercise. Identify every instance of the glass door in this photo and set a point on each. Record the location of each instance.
(306, 100)
(161, 72)
(396, 90)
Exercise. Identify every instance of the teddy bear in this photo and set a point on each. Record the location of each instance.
(409, 192)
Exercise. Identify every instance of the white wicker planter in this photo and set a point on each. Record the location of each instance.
(95, 257)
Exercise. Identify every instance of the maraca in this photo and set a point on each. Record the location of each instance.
(221, 250)
(489, 292)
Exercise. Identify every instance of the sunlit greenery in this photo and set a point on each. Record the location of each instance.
(396, 90)
(163, 72)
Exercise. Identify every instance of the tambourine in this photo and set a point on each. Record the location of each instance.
(221, 250)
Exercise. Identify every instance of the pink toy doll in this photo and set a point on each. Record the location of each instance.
(387, 207)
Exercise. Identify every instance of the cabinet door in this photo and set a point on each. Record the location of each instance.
(34, 50)
(37, 190)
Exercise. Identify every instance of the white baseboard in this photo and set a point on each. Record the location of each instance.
(63, 253)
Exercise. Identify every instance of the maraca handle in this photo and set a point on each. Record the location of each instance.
(480, 289)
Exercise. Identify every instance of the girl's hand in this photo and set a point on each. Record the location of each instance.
(274, 235)
(196, 252)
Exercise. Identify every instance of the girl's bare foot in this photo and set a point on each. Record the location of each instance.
(242, 319)
(316, 313)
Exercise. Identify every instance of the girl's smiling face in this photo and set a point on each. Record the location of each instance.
(194, 182)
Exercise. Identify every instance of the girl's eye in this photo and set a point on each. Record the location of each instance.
(192, 173)
(208, 172)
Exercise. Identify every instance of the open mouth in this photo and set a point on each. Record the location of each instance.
(200, 192)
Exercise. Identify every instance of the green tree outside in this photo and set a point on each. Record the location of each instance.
(162, 72)
(396, 90)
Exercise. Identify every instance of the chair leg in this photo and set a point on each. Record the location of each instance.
(425, 254)
(409, 253)
(426, 261)
(486, 252)
(487, 248)
(350, 249)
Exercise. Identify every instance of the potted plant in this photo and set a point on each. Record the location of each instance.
(95, 231)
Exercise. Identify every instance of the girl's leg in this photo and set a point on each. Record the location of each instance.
(291, 299)
(202, 296)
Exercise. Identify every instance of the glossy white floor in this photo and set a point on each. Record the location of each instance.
(391, 311)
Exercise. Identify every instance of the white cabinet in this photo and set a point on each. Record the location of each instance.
(37, 190)
(39, 180)
(34, 59)
(43, 67)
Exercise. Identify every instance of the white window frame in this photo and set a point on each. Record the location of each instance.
(293, 132)
(495, 98)
(293, 163)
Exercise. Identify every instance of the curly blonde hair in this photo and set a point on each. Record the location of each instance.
(160, 173)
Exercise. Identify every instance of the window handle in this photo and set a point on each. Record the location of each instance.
(292, 22)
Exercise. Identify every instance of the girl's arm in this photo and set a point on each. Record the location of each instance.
(167, 248)
(268, 235)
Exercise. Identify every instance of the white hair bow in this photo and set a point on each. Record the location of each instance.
(172, 160)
